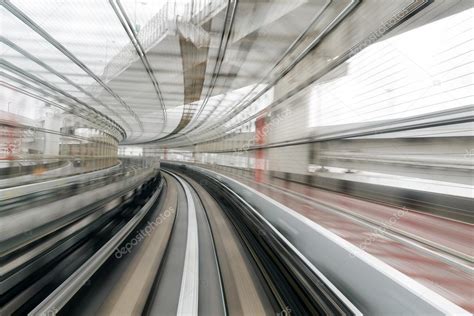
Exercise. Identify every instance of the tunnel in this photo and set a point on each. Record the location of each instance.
(236, 157)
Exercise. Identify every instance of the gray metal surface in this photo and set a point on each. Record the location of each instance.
(373, 286)
(35, 222)
(211, 296)
(189, 293)
(122, 284)
(244, 293)
(164, 300)
(56, 300)
(13, 188)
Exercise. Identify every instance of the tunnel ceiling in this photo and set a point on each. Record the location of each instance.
(152, 71)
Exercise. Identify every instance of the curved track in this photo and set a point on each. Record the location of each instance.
(191, 247)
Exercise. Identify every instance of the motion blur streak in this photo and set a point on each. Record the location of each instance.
(243, 157)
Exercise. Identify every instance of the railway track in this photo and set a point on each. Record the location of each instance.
(192, 247)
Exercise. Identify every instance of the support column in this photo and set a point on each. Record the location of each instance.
(53, 122)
